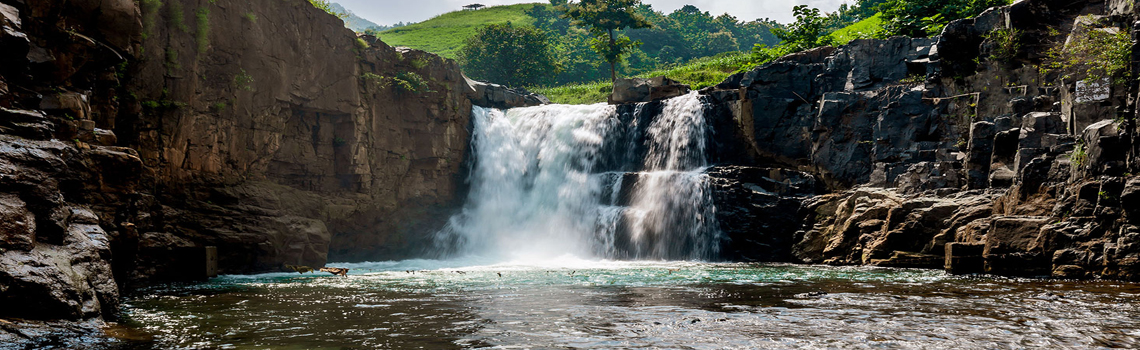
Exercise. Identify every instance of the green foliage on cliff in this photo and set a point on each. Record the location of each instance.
(920, 18)
(202, 31)
(510, 55)
(1093, 54)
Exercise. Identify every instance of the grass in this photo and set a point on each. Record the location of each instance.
(867, 28)
(698, 73)
(445, 34)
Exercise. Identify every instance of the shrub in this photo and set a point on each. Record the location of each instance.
(1007, 43)
(1096, 53)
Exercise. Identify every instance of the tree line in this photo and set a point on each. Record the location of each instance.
(594, 40)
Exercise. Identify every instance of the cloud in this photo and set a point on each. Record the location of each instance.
(392, 11)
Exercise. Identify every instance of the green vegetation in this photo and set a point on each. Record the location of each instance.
(1007, 43)
(604, 17)
(1079, 157)
(807, 32)
(445, 34)
(919, 18)
(578, 94)
(509, 54)
(202, 31)
(149, 10)
(871, 27)
(1093, 54)
(698, 74)
(404, 82)
(250, 16)
(361, 44)
(675, 38)
(243, 81)
(174, 16)
(328, 7)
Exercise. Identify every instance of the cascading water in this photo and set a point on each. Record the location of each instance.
(587, 181)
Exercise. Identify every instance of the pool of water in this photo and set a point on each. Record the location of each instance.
(574, 304)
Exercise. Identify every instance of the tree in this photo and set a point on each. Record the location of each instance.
(603, 18)
(919, 18)
(510, 55)
(807, 32)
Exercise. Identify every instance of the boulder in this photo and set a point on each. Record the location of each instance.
(71, 281)
(1013, 246)
(490, 95)
(631, 90)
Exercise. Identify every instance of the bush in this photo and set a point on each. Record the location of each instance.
(1095, 54)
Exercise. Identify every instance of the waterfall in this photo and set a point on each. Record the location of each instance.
(587, 181)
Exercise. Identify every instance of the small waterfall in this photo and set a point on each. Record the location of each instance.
(587, 181)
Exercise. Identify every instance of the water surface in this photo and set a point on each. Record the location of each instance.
(574, 304)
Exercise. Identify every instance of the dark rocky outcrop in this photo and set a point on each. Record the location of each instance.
(923, 144)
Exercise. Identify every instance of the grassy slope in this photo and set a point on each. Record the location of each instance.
(698, 73)
(444, 34)
(862, 29)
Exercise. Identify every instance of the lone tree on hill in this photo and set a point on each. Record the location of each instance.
(603, 18)
(473, 7)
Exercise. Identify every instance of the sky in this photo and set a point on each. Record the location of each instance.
(387, 12)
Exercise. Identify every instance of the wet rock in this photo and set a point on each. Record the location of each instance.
(498, 96)
(757, 208)
(68, 281)
(24, 123)
(17, 224)
(630, 90)
(964, 258)
(1013, 246)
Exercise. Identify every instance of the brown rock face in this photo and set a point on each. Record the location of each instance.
(296, 141)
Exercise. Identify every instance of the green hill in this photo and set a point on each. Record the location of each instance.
(866, 28)
(445, 34)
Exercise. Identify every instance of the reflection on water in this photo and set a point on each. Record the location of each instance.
(605, 305)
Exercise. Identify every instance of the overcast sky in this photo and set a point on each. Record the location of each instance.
(387, 12)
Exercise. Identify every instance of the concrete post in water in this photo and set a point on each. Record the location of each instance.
(211, 261)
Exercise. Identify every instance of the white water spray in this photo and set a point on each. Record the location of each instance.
(582, 180)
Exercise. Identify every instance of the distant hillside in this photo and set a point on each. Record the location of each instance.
(445, 34)
(353, 21)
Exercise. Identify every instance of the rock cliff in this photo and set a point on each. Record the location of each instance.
(940, 152)
(135, 134)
